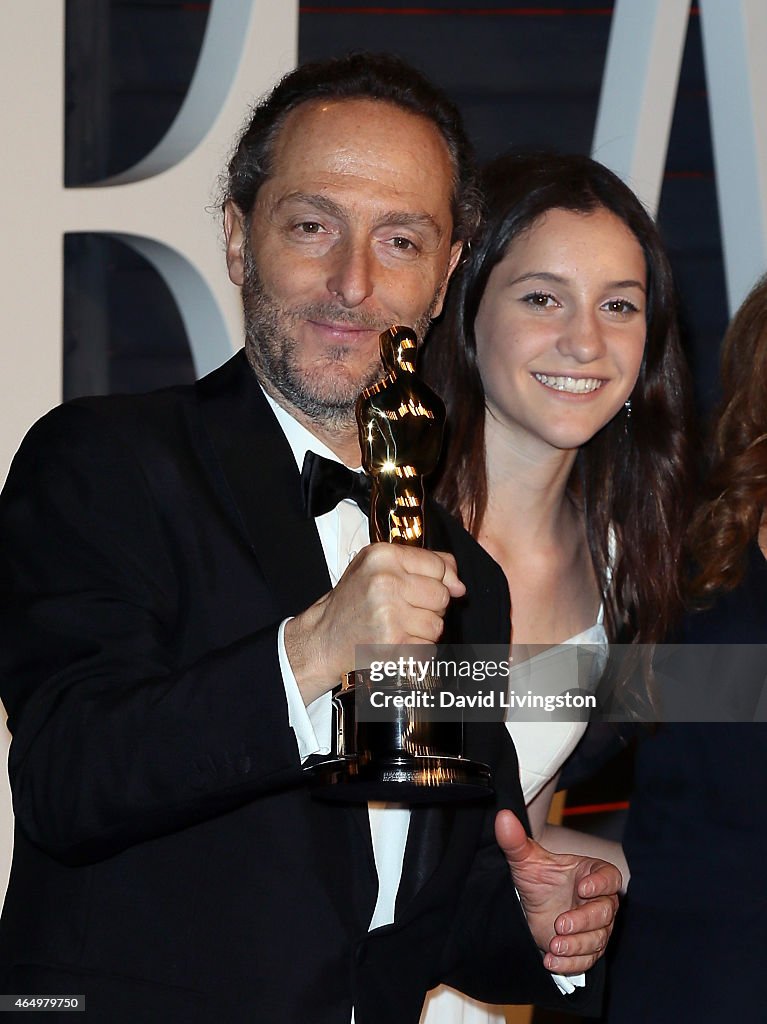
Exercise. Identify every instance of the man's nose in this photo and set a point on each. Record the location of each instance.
(350, 279)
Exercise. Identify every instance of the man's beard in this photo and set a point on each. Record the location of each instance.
(326, 399)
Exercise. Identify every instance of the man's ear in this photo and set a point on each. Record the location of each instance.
(235, 234)
(455, 254)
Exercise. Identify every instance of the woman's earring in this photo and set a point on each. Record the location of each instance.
(627, 407)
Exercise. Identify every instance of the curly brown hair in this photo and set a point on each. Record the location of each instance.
(735, 494)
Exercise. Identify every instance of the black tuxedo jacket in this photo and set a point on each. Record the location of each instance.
(170, 862)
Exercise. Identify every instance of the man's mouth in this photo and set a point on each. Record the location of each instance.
(342, 327)
(343, 331)
(572, 385)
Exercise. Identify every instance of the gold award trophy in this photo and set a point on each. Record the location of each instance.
(407, 757)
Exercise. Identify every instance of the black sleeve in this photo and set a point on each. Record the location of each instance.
(115, 741)
(491, 955)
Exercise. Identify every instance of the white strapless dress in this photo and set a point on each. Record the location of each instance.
(542, 748)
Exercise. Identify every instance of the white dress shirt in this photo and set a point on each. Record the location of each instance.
(343, 531)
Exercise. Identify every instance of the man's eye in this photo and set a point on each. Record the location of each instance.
(309, 227)
(400, 242)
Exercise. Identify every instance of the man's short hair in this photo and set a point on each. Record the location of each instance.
(374, 76)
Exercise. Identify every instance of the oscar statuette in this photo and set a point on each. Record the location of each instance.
(405, 755)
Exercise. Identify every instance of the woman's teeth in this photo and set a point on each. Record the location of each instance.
(575, 385)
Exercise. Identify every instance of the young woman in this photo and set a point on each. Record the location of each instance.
(559, 360)
(696, 837)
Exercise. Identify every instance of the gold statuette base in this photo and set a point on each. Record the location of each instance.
(401, 778)
(400, 759)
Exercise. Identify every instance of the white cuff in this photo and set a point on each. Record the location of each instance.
(567, 984)
(311, 724)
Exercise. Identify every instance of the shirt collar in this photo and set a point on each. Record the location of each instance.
(300, 439)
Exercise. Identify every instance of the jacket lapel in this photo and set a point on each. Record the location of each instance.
(430, 826)
(260, 484)
(259, 474)
(427, 840)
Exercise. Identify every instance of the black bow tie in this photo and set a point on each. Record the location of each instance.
(325, 483)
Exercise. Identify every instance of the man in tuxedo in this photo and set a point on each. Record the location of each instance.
(174, 618)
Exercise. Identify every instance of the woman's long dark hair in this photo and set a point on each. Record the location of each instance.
(631, 479)
(736, 486)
